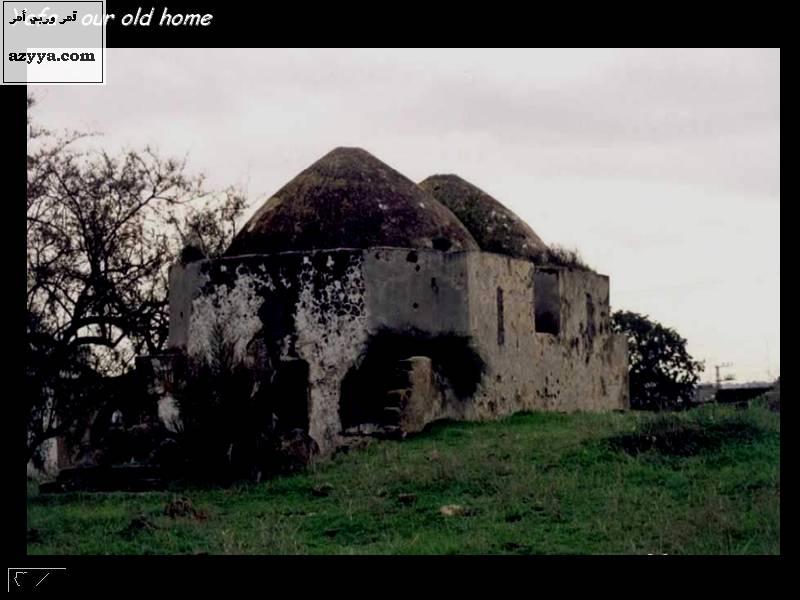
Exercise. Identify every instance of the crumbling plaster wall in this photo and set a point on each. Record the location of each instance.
(50, 464)
(422, 289)
(583, 367)
(323, 307)
(412, 292)
(278, 307)
(500, 304)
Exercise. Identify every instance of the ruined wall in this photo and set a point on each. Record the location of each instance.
(416, 307)
(50, 464)
(501, 317)
(581, 367)
(584, 366)
(422, 289)
(275, 309)
(353, 316)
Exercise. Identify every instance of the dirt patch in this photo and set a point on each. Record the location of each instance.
(673, 437)
(456, 510)
(516, 547)
(140, 524)
(182, 507)
(34, 536)
(407, 499)
(322, 490)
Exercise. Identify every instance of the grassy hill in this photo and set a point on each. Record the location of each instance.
(706, 481)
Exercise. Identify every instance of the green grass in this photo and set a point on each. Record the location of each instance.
(537, 483)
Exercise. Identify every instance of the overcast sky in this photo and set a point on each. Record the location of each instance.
(661, 166)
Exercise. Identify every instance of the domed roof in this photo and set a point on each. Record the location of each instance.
(350, 199)
(495, 227)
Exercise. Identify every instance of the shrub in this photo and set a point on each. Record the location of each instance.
(225, 432)
(662, 373)
(234, 414)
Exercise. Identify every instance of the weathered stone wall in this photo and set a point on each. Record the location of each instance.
(501, 316)
(422, 289)
(51, 461)
(419, 298)
(275, 308)
(582, 367)
(337, 310)
(423, 399)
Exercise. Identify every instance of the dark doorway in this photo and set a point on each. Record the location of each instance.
(365, 398)
(369, 390)
(290, 395)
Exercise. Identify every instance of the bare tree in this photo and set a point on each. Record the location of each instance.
(102, 231)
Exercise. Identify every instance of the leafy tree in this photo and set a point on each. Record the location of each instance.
(102, 231)
(662, 373)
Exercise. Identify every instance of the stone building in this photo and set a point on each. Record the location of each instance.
(371, 305)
